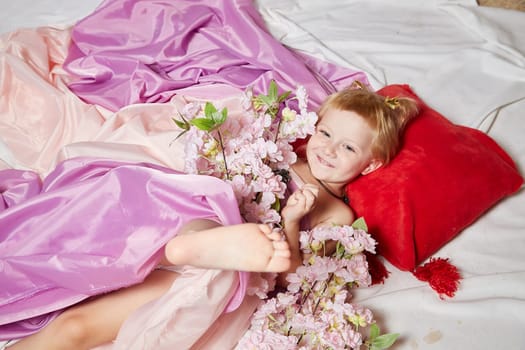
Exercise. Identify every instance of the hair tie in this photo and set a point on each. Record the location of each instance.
(392, 102)
(357, 85)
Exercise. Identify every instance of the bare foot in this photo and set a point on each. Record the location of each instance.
(244, 247)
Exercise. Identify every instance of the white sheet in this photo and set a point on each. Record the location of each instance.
(467, 62)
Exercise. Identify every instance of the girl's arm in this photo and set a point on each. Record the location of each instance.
(300, 203)
(291, 230)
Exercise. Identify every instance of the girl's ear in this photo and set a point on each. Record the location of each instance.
(372, 166)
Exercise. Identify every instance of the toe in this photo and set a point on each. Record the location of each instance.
(265, 229)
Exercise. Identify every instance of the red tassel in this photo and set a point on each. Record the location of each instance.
(376, 268)
(442, 276)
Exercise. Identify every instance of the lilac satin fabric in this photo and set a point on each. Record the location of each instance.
(131, 51)
(17, 186)
(93, 226)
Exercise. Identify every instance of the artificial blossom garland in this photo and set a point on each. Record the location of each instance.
(315, 312)
(253, 152)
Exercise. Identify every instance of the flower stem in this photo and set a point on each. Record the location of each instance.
(324, 290)
(223, 156)
(301, 306)
(278, 130)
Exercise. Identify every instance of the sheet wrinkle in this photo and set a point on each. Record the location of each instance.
(482, 28)
(290, 33)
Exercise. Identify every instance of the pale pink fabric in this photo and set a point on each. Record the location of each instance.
(42, 122)
(198, 298)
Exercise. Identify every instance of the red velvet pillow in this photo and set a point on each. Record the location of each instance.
(444, 178)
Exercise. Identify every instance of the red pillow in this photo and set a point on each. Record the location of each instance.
(444, 178)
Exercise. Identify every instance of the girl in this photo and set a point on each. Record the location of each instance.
(357, 133)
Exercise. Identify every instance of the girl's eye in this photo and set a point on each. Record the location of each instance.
(324, 133)
(349, 148)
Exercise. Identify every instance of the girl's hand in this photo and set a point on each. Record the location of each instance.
(300, 203)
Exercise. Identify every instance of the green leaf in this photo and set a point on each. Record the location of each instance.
(360, 224)
(374, 331)
(384, 341)
(272, 91)
(277, 205)
(224, 115)
(284, 96)
(209, 110)
(183, 124)
(266, 100)
(204, 124)
(340, 249)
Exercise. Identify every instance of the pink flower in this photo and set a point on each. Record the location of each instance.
(266, 340)
(315, 308)
(353, 339)
(249, 145)
(296, 126)
(298, 279)
(321, 267)
(356, 270)
(250, 151)
(303, 323)
(191, 109)
(333, 339)
(286, 155)
(302, 98)
(261, 284)
(366, 240)
(304, 240)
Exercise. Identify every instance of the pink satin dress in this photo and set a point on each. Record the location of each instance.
(93, 226)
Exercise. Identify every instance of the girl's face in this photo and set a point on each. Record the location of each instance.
(341, 147)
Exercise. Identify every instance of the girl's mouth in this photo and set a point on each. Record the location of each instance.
(324, 162)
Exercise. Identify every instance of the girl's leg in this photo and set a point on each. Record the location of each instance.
(97, 321)
(202, 243)
(244, 247)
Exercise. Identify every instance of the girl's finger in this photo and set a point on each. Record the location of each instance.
(310, 199)
(313, 189)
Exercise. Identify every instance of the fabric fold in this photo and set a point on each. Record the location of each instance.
(93, 215)
(147, 51)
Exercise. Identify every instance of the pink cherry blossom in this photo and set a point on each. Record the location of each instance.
(249, 150)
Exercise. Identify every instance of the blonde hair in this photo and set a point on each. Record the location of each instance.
(386, 115)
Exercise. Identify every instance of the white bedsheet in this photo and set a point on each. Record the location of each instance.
(466, 61)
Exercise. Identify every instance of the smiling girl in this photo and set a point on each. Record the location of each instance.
(358, 132)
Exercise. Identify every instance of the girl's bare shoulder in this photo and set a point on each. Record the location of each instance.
(334, 212)
(343, 214)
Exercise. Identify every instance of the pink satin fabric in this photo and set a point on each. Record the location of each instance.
(42, 122)
(96, 226)
(146, 51)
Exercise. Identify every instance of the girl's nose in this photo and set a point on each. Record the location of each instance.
(330, 149)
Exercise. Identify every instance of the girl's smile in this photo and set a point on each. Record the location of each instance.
(325, 163)
(341, 148)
